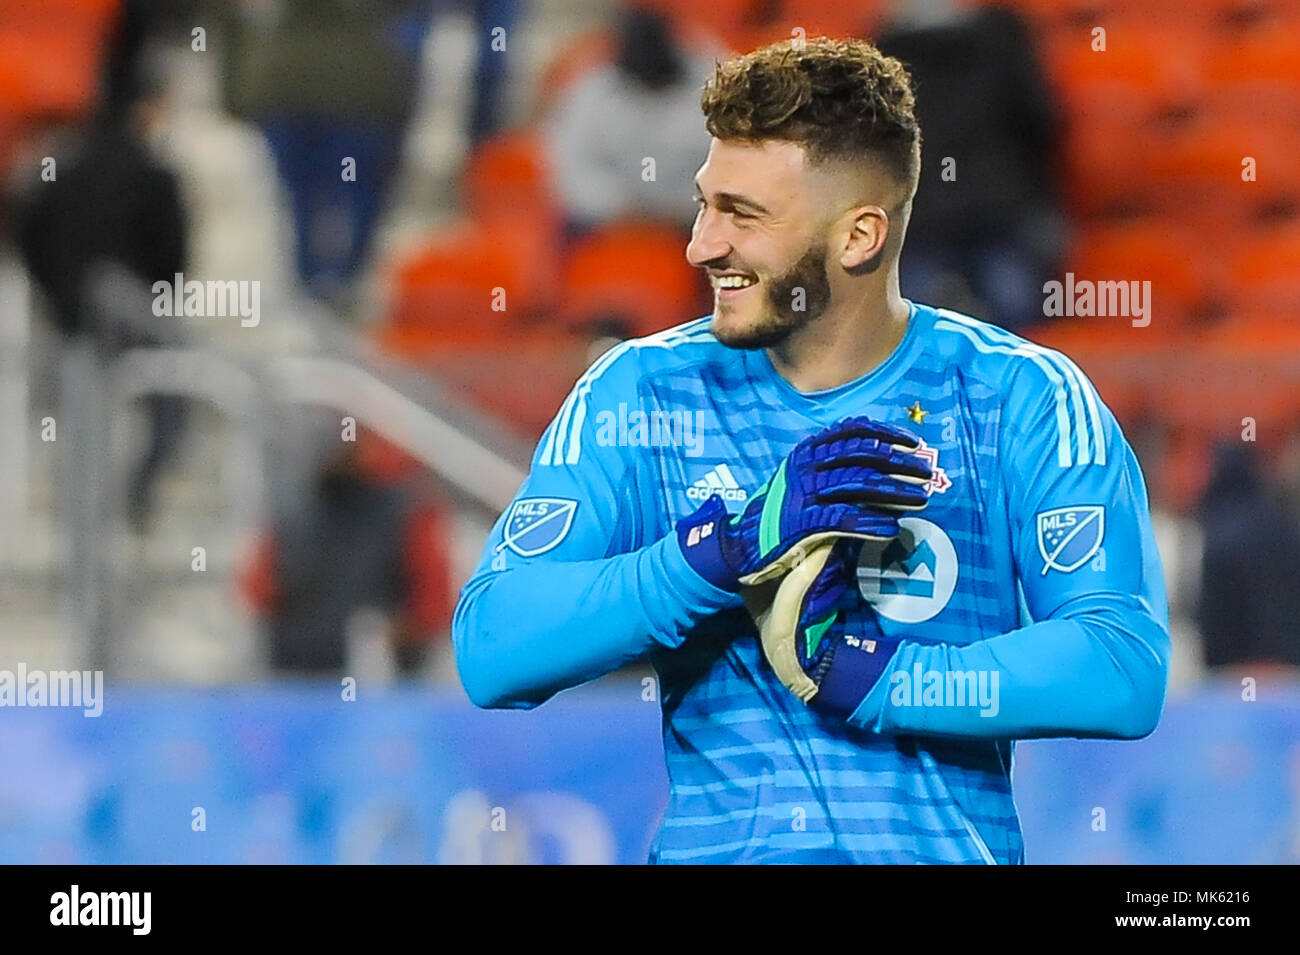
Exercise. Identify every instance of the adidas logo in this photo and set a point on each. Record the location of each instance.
(721, 481)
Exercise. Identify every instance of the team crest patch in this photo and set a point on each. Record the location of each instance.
(537, 524)
(1068, 537)
(939, 482)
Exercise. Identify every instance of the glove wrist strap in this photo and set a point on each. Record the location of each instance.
(847, 672)
(700, 536)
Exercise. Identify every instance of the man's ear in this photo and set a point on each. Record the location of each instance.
(868, 234)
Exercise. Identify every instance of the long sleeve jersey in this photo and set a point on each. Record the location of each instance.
(1028, 594)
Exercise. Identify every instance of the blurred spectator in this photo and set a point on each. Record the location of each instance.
(1249, 608)
(98, 236)
(50, 59)
(328, 81)
(490, 71)
(985, 238)
(644, 106)
(368, 539)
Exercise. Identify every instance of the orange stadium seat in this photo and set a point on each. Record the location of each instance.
(505, 252)
(1269, 103)
(1269, 54)
(508, 173)
(50, 52)
(1099, 153)
(507, 189)
(863, 18)
(1241, 369)
(1161, 65)
(1263, 272)
(446, 292)
(1055, 14)
(1213, 149)
(833, 18)
(636, 271)
(1263, 336)
(1195, 181)
(1173, 260)
(50, 55)
(1051, 14)
(1261, 357)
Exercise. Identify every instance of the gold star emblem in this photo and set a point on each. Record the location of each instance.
(916, 413)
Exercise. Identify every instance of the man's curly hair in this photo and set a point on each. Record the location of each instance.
(841, 100)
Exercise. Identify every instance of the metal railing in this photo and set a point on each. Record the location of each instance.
(256, 393)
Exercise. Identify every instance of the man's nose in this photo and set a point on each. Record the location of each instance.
(707, 243)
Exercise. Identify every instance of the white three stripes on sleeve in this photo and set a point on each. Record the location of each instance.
(563, 442)
(1077, 412)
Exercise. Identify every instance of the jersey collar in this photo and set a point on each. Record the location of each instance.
(832, 404)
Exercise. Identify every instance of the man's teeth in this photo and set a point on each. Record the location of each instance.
(732, 281)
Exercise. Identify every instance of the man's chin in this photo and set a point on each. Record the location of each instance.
(741, 332)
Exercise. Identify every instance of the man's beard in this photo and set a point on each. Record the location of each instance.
(780, 318)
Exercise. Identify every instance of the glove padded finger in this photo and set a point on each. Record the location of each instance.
(778, 624)
(800, 553)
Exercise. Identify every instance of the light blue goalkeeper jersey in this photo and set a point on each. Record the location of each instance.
(1028, 593)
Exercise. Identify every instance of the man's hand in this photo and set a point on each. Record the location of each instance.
(801, 624)
(852, 480)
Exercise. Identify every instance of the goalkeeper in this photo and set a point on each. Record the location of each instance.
(900, 540)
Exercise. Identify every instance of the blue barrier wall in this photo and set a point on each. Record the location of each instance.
(295, 774)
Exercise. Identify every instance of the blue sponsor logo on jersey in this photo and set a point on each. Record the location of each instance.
(537, 524)
(912, 577)
(1068, 537)
(908, 573)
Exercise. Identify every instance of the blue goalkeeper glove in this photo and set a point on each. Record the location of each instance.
(804, 636)
(852, 479)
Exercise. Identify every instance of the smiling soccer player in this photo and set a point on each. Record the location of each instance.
(994, 575)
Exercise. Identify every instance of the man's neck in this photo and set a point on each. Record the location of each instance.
(843, 344)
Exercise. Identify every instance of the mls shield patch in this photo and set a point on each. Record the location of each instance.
(1068, 537)
(537, 524)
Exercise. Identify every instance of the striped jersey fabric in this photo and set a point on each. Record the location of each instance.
(1037, 512)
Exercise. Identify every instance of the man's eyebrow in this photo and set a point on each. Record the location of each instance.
(734, 199)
